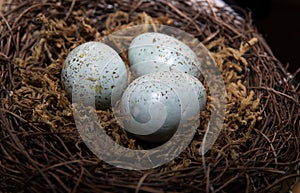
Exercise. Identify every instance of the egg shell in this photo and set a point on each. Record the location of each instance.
(153, 105)
(156, 52)
(94, 70)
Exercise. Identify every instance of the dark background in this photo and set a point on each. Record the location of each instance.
(279, 22)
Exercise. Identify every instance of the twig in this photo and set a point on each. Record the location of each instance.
(181, 14)
(70, 10)
(277, 92)
(271, 145)
(139, 185)
(211, 9)
(281, 180)
(9, 28)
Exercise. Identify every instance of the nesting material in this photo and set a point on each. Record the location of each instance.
(41, 150)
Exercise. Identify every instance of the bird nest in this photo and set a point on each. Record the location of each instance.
(41, 150)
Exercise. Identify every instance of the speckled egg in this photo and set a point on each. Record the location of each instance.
(157, 52)
(153, 105)
(91, 72)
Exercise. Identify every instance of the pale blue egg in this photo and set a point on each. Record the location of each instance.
(154, 104)
(95, 70)
(156, 52)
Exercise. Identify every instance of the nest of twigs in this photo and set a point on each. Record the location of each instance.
(41, 150)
